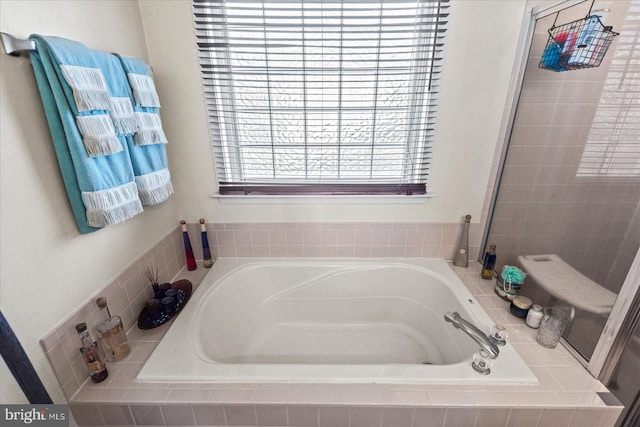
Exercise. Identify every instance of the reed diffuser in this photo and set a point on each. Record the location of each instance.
(152, 277)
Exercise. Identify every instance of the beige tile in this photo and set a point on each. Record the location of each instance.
(232, 396)
(321, 395)
(362, 237)
(520, 417)
(452, 398)
(429, 417)
(244, 386)
(294, 238)
(125, 377)
(536, 355)
(189, 396)
(87, 415)
(492, 417)
(333, 416)
(116, 415)
(111, 395)
(79, 370)
(61, 364)
(397, 417)
(579, 400)
(146, 395)
(556, 417)
(460, 417)
(140, 352)
(574, 380)
(70, 344)
(178, 415)
(365, 416)
(303, 416)
(274, 395)
(536, 399)
(363, 396)
(271, 415)
(611, 416)
(157, 333)
(70, 388)
(209, 414)
(588, 417)
(500, 398)
(147, 414)
(545, 379)
(135, 334)
(406, 398)
(240, 415)
(49, 340)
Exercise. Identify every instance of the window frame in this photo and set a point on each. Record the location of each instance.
(227, 157)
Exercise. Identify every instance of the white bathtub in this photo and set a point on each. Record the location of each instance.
(328, 320)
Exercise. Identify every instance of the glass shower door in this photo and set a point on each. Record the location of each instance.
(570, 185)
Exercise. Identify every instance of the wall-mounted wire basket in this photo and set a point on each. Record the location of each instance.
(576, 45)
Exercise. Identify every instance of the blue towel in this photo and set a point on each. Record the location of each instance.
(147, 147)
(81, 102)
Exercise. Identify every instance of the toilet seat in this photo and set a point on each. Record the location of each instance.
(564, 282)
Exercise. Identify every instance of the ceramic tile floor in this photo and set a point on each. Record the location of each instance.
(566, 395)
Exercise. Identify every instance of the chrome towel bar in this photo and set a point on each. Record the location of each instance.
(14, 46)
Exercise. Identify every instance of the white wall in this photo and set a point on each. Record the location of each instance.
(480, 55)
(47, 268)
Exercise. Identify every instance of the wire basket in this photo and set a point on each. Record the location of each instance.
(576, 45)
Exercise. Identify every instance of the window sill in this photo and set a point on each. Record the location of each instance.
(322, 199)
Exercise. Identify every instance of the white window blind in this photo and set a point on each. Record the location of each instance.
(613, 145)
(320, 97)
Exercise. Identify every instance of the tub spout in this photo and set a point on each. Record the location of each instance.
(471, 330)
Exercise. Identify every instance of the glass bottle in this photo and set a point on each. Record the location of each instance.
(489, 263)
(461, 258)
(92, 360)
(111, 333)
(188, 251)
(206, 251)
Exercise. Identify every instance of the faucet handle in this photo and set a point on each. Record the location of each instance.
(481, 362)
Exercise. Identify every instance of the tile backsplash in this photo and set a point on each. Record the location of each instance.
(346, 239)
(126, 295)
(128, 291)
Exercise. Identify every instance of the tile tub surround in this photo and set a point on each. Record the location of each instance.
(127, 293)
(567, 396)
(336, 239)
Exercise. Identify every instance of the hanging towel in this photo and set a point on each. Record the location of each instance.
(147, 147)
(86, 110)
(146, 100)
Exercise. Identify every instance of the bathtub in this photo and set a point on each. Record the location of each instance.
(328, 320)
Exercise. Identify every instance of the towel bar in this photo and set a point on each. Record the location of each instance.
(14, 46)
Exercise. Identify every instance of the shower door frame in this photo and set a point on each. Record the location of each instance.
(608, 348)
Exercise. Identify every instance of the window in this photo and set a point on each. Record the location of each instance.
(321, 97)
(613, 148)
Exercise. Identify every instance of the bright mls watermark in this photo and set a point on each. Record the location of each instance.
(36, 415)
